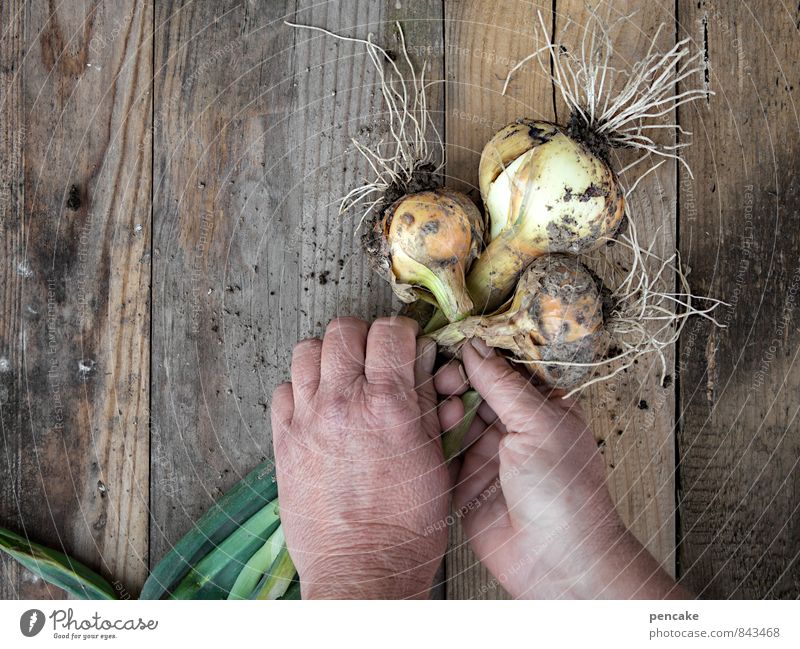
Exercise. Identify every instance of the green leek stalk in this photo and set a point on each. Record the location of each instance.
(259, 564)
(215, 574)
(245, 498)
(453, 439)
(278, 579)
(56, 568)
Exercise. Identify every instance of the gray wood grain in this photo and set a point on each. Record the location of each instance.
(74, 329)
(253, 127)
(484, 40)
(739, 440)
(633, 414)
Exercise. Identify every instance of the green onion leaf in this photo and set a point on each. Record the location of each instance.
(276, 582)
(453, 439)
(247, 496)
(56, 568)
(259, 564)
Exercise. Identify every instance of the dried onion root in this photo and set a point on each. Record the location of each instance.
(421, 236)
(550, 188)
(646, 308)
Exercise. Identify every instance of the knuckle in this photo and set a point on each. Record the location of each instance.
(388, 393)
(281, 391)
(508, 375)
(397, 322)
(338, 396)
(280, 444)
(307, 345)
(336, 403)
(346, 322)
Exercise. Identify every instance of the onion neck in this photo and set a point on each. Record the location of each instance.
(454, 333)
(447, 286)
(494, 275)
(437, 321)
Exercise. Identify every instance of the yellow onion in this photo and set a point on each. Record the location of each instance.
(425, 243)
(545, 192)
(554, 322)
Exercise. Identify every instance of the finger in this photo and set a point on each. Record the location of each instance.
(556, 397)
(480, 468)
(391, 352)
(305, 369)
(570, 405)
(281, 412)
(451, 379)
(451, 410)
(549, 392)
(423, 380)
(475, 432)
(516, 402)
(453, 470)
(343, 349)
(490, 416)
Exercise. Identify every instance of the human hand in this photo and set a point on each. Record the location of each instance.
(361, 477)
(532, 497)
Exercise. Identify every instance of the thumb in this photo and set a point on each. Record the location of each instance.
(516, 402)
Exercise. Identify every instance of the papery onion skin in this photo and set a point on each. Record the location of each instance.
(544, 192)
(429, 240)
(556, 315)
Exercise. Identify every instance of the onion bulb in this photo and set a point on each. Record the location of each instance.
(425, 243)
(554, 322)
(545, 192)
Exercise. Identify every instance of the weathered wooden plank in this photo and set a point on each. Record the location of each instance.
(483, 41)
(252, 148)
(423, 29)
(74, 334)
(633, 415)
(739, 440)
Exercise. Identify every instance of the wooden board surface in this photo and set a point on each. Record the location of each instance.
(251, 150)
(633, 415)
(254, 122)
(75, 274)
(739, 443)
(484, 40)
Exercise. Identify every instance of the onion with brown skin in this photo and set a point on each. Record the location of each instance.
(545, 192)
(424, 243)
(554, 322)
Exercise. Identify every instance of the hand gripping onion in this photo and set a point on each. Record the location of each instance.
(424, 243)
(554, 322)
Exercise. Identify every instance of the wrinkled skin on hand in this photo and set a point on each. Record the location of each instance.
(531, 492)
(363, 485)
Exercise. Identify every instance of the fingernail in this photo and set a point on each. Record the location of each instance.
(462, 373)
(482, 348)
(426, 354)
